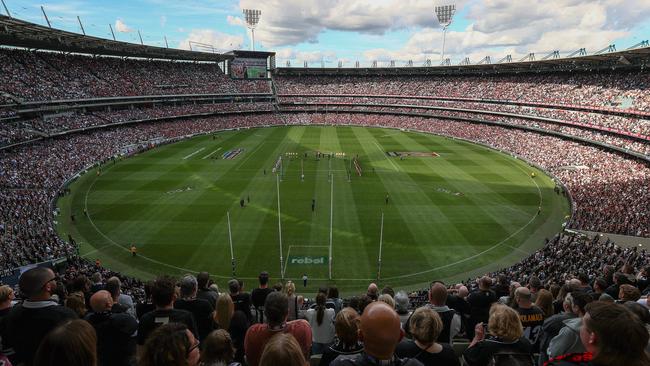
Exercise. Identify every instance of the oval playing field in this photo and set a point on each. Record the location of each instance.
(450, 208)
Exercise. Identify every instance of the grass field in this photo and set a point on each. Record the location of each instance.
(468, 210)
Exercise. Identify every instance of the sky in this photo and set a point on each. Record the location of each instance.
(324, 32)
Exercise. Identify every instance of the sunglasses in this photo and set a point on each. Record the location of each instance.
(55, 278)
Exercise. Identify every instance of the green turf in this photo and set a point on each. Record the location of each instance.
(429, 231)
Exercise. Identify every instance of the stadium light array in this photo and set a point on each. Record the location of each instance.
(252, 17)
(445, 14)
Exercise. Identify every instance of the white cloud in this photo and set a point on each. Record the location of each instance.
(235, 20)
(121, 27)
(222, 42)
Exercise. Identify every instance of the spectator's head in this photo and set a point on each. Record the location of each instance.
(580, 300)
(101, 301)
(438, 294)
(203, 280)
(545, 302)
(463, 292)
(387, 299)
(380, 330)
(113, 286)
(628, 293)
(264, 278)
(504, 323)
(523, 297)
(147, 289)
(224, 311)
(639, 310)
(189, 286)
(73, 343)
(583, 278)
(170, 344)
(484, 283)
(388, 290)
(346, 325)
(276, 308)
(401, 302)
(77, 303)
(217, 348)
(97, 277)
(289, 288)
(620, 278)
(233, 287)
(282, 349)
(614, 335)
(425, 325)
(373, 291)
(80, 284)
(534, 284)
(600, 285)
(38, 284)
(332, 292)
(163, 292)
(6, 296)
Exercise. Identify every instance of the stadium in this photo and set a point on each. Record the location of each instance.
(146, 182)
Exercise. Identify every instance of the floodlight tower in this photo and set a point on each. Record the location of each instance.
(252, 17)
(445, 14)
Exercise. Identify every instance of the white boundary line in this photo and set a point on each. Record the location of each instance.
(277, 182)
(331, 224)
(194, 153)
(210, 154)
(387, 158)
(111, 241)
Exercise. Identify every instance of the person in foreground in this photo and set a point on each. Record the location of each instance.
(283, 349)
(612, 336)
(505, 334)
(170, 344)
(426, 326)
(73, 343)
(380, 332)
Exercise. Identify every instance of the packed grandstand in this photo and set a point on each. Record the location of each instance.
(587, 123)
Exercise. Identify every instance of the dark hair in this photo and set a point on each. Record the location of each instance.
(79, 283)
(217, 347)
(276, 307)
(583, 277)
(320, 307)
(264, 278)
(32, 281)
(73, 343)
(113, 286)
(601, 283)
(581, 299)
(163, 291)
(621, 336)
(332, 292)
(202, 280)
(147, 289)
(388, 290)
(639, 310)
(233, 286)
(167, 345)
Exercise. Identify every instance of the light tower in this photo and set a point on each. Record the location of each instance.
(445, 13)
(252, 17)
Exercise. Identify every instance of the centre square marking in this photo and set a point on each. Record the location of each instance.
(308, 260)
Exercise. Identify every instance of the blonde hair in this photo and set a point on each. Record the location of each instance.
(289, 288)
(387, 299)
(224, 310)
(5, 293)
(504, 323)
(425, 325)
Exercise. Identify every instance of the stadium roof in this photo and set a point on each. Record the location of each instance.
(634, 58)
(19, 33)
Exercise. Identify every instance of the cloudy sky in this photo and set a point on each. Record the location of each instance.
(328, 31)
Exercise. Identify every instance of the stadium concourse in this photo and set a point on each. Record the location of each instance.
(60, 114)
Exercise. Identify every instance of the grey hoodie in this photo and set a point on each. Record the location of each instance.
(568, 340)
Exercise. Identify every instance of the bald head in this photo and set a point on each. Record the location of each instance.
(373, 290)
(380, 330)
(438, 294)
(463, 292)
(37, 283)
(101, 301)
(523, 296)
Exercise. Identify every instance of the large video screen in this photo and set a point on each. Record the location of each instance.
(248, 68)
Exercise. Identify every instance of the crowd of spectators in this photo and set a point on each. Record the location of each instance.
(45, 76)
(589, 89)
(578, 299)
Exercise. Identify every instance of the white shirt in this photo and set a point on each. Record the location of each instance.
(323, 333)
